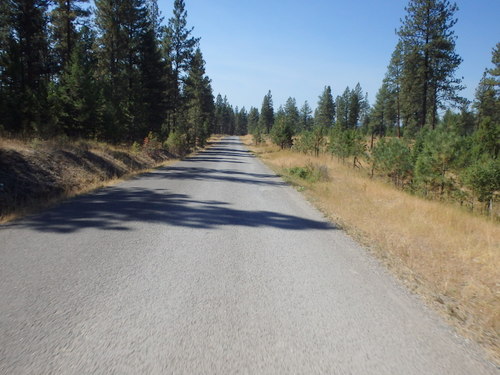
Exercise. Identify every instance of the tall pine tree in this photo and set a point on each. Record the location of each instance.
(25, 66)
(180, 47)
(65, 18)
(266, 118)
(325, 112)
(429, 60)
(199, 102)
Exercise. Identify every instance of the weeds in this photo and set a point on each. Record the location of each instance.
(311, 172)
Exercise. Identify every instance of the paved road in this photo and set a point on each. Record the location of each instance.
(211, 266)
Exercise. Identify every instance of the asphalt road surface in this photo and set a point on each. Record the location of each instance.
(210, 266)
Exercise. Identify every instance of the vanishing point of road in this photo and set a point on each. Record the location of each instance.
(210, 266)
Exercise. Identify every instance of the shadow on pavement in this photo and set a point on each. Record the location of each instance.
(117, 208)
(211, 174)
(121, 207)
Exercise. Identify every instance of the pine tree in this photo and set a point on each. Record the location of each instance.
(380, 117)
(266, 118)
(439, 155)
(128, 60)
(487, 104)
(357, 107)
(76, 98)
(292, 114)
(219, 109)
(342, 108)
(199, 102)
(25, 69)
(392, 157)
(484, 180)
(5, 39)
(325, 111)
(305, 117)
(282, 131)
(111, 59)
(253, 120)
(347, 143)
(65, 17)
(392, 81)
(224, 121)
(429, 59)
(156, 77)
(241, 126)
(180, 47)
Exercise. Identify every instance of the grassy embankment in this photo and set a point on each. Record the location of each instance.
(35, 174)
(445, 254)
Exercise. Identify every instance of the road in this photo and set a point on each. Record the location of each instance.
(210, 266)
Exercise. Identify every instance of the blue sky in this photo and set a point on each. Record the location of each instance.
(295, 48)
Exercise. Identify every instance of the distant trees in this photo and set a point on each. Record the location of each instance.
(241, 122)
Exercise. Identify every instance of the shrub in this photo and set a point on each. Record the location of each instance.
(484, 180)
(136, 147)
(393, 158)
(282, 133)
(438, 157)
(347, 143)
(257, 135)
(177, 144)
(311, 172)
(151, 144)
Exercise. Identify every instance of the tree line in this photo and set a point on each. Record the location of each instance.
(419, 133)
(118, 72)
(113, 72)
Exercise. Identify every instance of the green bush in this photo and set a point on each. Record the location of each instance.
(393, 158)
(282, 133)
(304, 142)
(177, 144)
(311, 172)
(257, 135)
(311, 141)
(136, 147)
(347, 143)
(483, 178)
(438, 157)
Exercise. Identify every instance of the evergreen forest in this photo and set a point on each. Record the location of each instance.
(118, 71)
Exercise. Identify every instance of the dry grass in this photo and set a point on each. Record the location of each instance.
(37, 174)
(449, 256)
(42, 173)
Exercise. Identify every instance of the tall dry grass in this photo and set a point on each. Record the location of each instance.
(448, 255)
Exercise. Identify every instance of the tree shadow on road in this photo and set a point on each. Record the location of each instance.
(124, 207)
(120, 209)
(182, 172)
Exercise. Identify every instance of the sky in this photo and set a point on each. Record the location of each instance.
(296, 48)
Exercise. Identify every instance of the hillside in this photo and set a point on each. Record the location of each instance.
(36, 173)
